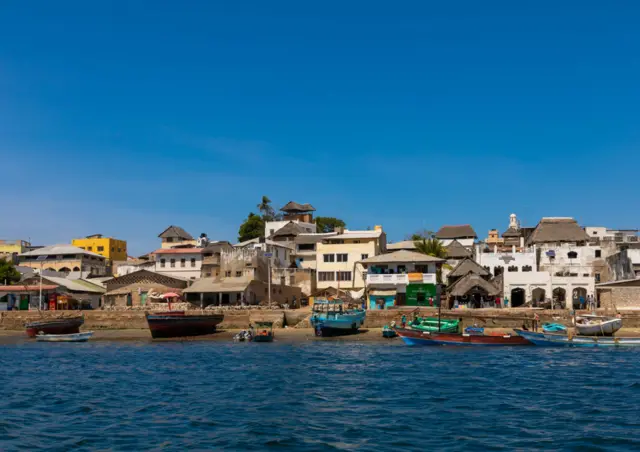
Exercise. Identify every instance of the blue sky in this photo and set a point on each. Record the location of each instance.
(124, 117)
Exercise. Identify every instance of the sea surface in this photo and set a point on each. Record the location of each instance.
(314, 396)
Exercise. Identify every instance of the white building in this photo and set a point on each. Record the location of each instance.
(300, 214)
(185, 263)
(463, 233)
(338, 257)
(280, 251)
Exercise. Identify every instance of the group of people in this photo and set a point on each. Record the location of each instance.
(589, 302)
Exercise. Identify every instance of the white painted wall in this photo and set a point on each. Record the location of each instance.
(178, 271)
(281, 255)
(506, 260)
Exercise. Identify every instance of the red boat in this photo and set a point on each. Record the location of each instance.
(413, 337)
(55, 326)
(177, 324)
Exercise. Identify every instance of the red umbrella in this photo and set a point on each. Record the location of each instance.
(170, 295)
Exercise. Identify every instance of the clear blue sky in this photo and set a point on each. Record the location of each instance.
(124, 117)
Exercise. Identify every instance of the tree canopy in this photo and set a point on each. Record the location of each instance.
(8, 272)
(432, 247)
(252, 228)
(329, 224)
(268, 212)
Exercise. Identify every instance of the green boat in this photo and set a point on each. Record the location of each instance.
(430, 324)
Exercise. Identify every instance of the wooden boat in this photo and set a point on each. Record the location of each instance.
(177, 324)
(431, 324)
(413, 337)
(593, 325)
(264, 332)
(76, 337)
(563, 340)
(554, 328)
(331, 318)
(55, 326)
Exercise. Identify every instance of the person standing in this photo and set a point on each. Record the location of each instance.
(582, 302)
(404, 321)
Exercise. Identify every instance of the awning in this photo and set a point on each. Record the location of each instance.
(382, 292)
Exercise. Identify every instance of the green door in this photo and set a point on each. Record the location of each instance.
(143, 298)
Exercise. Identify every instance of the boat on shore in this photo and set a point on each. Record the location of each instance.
(331, 318)
(76, 337)
(413, 337)
(593, 325)
(177, 324)
(564, 340)
(264, 332)
(432, 324)
(55, 326)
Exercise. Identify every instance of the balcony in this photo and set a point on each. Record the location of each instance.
(211, 260)
(400, 278)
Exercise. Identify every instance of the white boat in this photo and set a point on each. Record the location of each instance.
(593, 325)
(77, 337)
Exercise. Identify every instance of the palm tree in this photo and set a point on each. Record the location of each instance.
(433, 247)
(268, 214)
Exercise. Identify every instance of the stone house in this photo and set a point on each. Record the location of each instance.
(136, 289)
(619, 295)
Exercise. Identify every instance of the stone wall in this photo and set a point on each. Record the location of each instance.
(621, 297)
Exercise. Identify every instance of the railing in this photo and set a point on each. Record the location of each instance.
(401, 278)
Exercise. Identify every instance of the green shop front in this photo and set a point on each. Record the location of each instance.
(422, 294)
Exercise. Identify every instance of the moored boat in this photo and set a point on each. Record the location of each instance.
(331, 318)
(177, 324)
(76, 337)
(564, 340)
(554, 328)
(593, 325)
(55, 326)
(431, 324)
(264, 332)
(389, 332)
(413, 337)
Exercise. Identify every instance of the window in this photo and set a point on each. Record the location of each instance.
(101, 248)
(183, 262)
(306, 247)
(277, 252)
(326, 276)
(526, 268)
(172, 263)
(572, 254)
(342, 257)
(329, 258)
(364, 256)
(227, 273)
(169, 239)
(344, 276)
(119, 250)
(162, 263)
(301, 259)
(193, 262)
(89, 248)
(598, 253)
(512, 268)
(597, 277)
(238, 274)
(113, 249)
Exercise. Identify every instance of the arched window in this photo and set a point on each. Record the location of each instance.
(526, 268)
(572, 255)
(513, 268)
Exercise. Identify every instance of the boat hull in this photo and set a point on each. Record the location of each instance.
(562, 340)
(77, 337)
(58, 326)
(412, 337)
(334, 324)
(431, 325)
(605, 328)
(168, 326)
(260, 338)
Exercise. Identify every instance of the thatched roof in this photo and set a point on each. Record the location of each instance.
(456, 232)
(472, 281)
(294, 207)
(455, 250)
(290, 228)
(468, 266)
(400, 257)
(558, 230)
(175, 232)
(512, 232)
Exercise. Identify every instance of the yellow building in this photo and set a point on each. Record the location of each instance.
(337, 257)
(13, 247)
(112, 249)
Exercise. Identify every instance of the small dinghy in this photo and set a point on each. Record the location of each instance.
(593, 325)
(389, 332)
(76, 337)
(554, 328)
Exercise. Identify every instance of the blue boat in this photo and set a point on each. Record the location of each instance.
(564, 340)
(331, 318)
(554, 328)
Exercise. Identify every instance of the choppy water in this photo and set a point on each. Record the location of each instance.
(315, 396)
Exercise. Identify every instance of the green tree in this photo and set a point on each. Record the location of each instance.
(8, 272)
(329, 224)
(433, 247)
(252, 227)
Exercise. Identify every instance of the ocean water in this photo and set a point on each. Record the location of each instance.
(314, 396)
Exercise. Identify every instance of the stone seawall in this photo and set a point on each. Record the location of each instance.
(236, 319)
